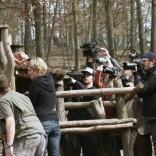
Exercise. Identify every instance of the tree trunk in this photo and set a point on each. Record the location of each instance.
(38, 28)
(10, 57)
(153, 28)
(76, 42)
(94, 4)
(132, 32)
(141, 27)
(51, 34)
(110, 27)
(28, 49)
(122, 114)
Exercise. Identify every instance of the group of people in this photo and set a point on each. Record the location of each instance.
(30, 124)
(142, 107)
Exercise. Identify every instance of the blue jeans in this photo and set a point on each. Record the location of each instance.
(52, 129)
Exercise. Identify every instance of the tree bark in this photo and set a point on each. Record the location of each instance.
(153, 28)
(38, 28)
(76, 42)
(141, 27)
(28, 49)
(10, 57)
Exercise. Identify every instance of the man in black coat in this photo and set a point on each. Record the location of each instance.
(148, 93)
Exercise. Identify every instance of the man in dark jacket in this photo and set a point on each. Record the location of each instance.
(148, 94)
(88, 142)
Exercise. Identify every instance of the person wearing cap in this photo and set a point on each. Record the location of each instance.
(148, 93)
(88, 142)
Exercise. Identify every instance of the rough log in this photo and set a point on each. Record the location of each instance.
(58, 74)
(75, 105)
(101, 91)
(96, 128)
(10, 57)
(122, 114)
(3, 58)
(97, 109)
(139, 87)
(102, 107)
(60, 105)
(85, 123)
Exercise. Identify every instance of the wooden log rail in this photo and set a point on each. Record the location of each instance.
(96, 128)
(106, 91)
(75, 105)
(97, 122)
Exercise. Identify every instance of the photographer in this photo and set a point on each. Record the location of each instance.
(88, 142)
(105, 80)
(148, 93)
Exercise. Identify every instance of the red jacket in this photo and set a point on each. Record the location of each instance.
(110, 111)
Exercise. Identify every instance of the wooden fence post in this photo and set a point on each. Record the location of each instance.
(122, 114)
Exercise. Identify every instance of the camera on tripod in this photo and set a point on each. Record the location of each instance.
(113, 73)
(89, 49)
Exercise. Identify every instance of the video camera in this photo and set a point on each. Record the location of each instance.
(73, 74)
(89, 49)
(137, 62)
(134, 55)
(112, 72)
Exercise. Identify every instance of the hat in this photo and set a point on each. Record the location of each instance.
(89, 70)
(149, 55)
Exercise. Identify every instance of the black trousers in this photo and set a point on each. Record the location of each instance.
(87, 142)
(142, 145)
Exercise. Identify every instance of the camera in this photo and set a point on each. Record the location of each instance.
(73, 74)
(131, 66)
(112, 72)
(125, 80)
(134, 54)
(89, 49)
(101, 61)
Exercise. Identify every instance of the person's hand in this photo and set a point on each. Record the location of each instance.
(100, 68)
(23, 55)
(9, 151)
(105, 52)
(72, 80)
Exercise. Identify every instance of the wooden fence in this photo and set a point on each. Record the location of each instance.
(122, 123)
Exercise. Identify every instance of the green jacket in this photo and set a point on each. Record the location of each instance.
(14, 104)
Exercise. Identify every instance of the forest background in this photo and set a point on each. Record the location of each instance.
(52, 28)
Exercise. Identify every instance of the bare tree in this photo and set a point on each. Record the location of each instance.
(28, 38)
(37, 9)
(76, 42)
(132, 29)
(153, 28)
(141, 27)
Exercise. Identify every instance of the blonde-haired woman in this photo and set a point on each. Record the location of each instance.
(43, 97)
